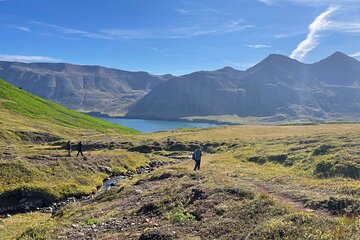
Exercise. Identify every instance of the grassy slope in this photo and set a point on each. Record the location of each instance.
(23, 111)
(249, 190)
(37, 169)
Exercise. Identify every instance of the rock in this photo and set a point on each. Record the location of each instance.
(71, 199)
(105, 169)
(48, 210)
(138, 191)
(155, 235)
(141, 149)
(196, 194)
(8, 215)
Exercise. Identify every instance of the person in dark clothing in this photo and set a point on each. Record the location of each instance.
(79, 148)
(197, 157)
(68, 148)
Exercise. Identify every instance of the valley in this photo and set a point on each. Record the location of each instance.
(255, 182)
(277, 90)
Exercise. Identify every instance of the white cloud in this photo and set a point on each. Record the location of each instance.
(320, 23)
(24, 29)
(233, 26)
(288, 34)
(72, 31)
(310, 2)
(21, 28)
(355, 54)
(174, 33)
(179, 32)
(24, 58)
(268, 2)
(350, 27)
(257, 46)
(195, 11)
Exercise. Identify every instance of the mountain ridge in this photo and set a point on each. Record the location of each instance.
(278, 85)
(84, 88)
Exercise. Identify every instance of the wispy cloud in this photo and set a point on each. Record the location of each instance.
(268, 2)
(72, 31)
(178, 32)
(233, 26)
(349, 27)
(309, 2)
(257, 46)
(320, 23)
(288, 34)
(171, 33)
(18, 27)
(195, 11)
(126, 34)
(25, 58)
(355, 54)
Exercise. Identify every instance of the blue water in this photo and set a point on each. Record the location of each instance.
(148, 126)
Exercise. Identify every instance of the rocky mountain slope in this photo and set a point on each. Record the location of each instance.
(277, 89)
(83, 88)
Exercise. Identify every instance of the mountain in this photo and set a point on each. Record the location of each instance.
(277, 88)
(22, 113)
(83, 88)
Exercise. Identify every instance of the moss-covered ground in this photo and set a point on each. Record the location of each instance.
(256, 182)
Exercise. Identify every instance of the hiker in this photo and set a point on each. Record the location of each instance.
(197, 157)
(68, 148)
(79, 148)
(168, 142)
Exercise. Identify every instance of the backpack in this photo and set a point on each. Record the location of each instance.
(193, 156)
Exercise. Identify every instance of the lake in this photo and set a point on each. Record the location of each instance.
(148, 126)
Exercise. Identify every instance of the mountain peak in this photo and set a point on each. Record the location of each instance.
(227, 69)
(278, 57)
(340, 55)
(338, 58)
(276, 60)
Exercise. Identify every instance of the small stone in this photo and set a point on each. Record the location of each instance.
(48, 210)
(8, 215)
(74, 225)
(138, 191)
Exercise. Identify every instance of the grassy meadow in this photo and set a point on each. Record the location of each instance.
(256, 182)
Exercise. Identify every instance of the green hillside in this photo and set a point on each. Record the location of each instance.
(33, 162)
(22, 109)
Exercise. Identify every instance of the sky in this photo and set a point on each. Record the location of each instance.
(176, 36)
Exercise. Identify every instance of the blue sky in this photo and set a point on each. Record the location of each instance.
(176, 36)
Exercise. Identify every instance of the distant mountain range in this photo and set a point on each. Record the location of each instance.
(276, 89)
(83, 88)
